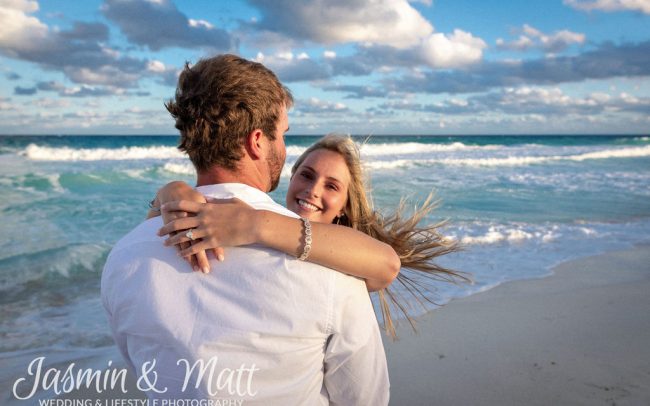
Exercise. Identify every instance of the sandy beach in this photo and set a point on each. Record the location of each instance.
(579, 337)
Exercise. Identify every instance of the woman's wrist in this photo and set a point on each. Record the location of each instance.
(176, 190)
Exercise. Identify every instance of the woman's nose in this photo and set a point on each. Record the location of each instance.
(314, 190)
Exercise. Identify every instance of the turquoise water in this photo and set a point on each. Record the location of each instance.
(518, 204)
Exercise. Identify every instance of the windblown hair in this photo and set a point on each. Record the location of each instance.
(416, 245)
(219, 101)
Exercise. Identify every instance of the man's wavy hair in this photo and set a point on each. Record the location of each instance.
(219, 101)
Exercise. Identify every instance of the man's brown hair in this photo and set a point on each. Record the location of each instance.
(219, 101)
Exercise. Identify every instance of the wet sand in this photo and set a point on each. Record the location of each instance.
(578, 337)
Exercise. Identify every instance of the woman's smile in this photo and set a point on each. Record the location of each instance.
(319, 187)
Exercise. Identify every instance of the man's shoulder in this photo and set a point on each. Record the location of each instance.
(141, 240)
(143, 232)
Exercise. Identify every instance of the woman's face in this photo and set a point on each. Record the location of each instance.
(319, 188)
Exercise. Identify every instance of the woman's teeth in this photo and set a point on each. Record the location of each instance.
(307, 206)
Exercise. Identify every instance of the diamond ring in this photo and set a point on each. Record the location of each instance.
(189, 235)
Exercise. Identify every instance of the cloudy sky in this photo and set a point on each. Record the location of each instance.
(354, 66)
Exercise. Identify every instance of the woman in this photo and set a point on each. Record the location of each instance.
(327, 188)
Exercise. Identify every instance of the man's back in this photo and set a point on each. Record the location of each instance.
(271, 329)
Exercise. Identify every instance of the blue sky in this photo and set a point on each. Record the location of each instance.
(354, 66)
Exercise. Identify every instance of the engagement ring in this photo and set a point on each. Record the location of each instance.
(189, 235)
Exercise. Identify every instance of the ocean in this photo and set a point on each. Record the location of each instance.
(518, 204)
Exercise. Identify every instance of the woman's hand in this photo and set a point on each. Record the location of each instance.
(174, 191)
(217, 224)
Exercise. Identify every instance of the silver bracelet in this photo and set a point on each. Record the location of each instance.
(307, 247)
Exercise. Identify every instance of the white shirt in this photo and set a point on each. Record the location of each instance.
(283, 331)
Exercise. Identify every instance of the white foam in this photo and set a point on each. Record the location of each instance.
(183, 169)
(136, 173)
(513, 235)
(295, 151)
(491, 237)
(54, 180)
(588, 231)
(407, 148)
(40, 153)
(635, 152)
(391, 164)
(401, 148)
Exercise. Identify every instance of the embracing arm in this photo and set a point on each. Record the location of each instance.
(341, 248)
(224, 223)
(176, 190)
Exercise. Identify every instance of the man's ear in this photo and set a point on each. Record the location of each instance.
(255, 144)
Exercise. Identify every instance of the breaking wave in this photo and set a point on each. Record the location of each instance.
(39, 153)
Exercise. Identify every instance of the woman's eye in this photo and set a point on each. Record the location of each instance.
(332, 187)
(306, 175)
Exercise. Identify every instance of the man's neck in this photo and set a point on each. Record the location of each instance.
(217, 175)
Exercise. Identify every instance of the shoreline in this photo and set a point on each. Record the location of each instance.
(578, 336)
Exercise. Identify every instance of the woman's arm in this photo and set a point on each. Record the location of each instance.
(231, 222)
(341, 248)
(176, 190)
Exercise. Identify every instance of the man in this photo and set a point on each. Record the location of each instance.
(263, 327)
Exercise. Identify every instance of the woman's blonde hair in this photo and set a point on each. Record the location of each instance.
(415, 245)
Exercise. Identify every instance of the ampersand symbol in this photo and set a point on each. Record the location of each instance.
(149, 368)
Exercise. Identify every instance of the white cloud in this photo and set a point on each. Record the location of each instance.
(521, 43)
(628, 98)
(315, 105)
(18, 30)
(382, 22)
(159, 24)
(533, 38)
(200, 23)
(290, 68)
(5, 104)
(553, 101)
(51, 103)
(600, 97)
(156, 66)
(611, 5)
(459, 49)
(27, 6)
(388, 34)
(534, 95)
(104, 75)
(287, 56)
(79, 52)
(532, 31)
(561, 39)
(458, 102)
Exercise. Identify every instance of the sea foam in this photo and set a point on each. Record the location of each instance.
(408, 148)
(637, 152)
(41, 153)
